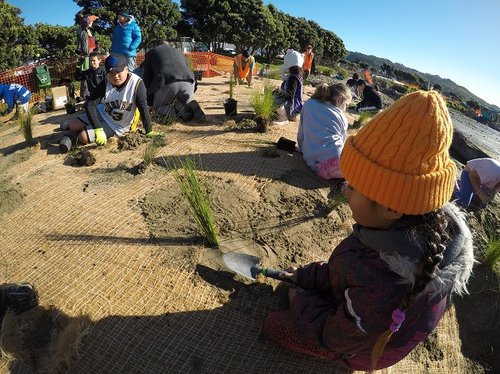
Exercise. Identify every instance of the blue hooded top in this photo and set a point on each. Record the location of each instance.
(126, 38)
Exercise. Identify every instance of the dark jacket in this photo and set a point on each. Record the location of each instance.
(370, 98)
(93, 77)
(291, 93)
(164, 65)
(347, 302)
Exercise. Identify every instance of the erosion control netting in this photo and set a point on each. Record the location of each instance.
(149, 304)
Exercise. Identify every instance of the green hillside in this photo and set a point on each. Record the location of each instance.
(446, 84)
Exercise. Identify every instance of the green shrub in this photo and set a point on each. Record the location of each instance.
(343, 72)
(325, 70)
(492, 251)
(400, 88)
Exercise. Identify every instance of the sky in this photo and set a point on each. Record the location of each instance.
(455, 39)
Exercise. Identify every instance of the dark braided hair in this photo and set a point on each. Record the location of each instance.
(432, 228)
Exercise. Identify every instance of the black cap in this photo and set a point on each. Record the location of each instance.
(115, 62)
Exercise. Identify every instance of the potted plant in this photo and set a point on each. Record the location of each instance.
(231, 105)
(264, 107)
(198, 74)
(70, 106)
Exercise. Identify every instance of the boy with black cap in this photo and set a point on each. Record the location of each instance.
(111, 109)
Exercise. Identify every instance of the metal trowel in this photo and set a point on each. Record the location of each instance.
(249, 266)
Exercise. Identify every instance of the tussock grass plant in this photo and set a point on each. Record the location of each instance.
(26, 124)
(336, 199)
(198, 199)
(363, 118)
(274, 73)
(231, 85)
(150, 152)
(492, 250)
(263, 103)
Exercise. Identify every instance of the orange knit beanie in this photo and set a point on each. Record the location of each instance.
(400, 158)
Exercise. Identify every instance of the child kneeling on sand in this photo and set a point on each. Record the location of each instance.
(289, 96)
(387, 285)
(111, 109)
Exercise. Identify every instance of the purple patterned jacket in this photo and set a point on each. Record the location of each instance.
(347, 302)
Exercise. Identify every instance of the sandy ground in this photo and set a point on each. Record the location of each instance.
(117, 254)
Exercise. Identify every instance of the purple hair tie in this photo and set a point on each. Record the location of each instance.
(398, 317)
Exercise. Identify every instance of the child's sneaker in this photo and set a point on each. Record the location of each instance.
(280, 123)
(18, 297)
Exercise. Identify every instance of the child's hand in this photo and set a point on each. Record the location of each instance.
(100, 136)
(290, 273)
(155, 134)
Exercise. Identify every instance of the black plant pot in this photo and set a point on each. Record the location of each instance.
(231, 107)
(70, 108)
(198, 74)
(286, 145)
(262, 124)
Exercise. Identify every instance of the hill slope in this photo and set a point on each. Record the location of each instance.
(447, 84)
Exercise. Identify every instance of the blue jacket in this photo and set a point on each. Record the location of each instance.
(14, 92)
(322, 133)
(126, 38)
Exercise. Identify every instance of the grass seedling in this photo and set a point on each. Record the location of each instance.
(337, 199)
(264, 104)
(492, 250)
(198, 200)
(363, 118)
(150, 152)
(26, 124)
(231, 86)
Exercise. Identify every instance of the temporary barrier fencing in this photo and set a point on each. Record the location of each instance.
(211, 64)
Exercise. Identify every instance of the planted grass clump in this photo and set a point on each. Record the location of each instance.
(363, 118)
(168, 119)
(492, 250)
(336, 199)
(198, 199)
(26, 124)
(264, 106)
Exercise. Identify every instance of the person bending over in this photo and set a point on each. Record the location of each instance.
(479, 182)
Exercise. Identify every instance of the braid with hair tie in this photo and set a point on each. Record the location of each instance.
(433, 228)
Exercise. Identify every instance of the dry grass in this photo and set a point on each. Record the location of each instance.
(26, 124)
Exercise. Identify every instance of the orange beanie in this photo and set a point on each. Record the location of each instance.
(400, 159)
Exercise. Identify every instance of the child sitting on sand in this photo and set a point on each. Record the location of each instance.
(387, 285)
(111, 108)
(323, 129)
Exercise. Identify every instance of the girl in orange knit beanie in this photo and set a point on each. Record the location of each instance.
(386, 286)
